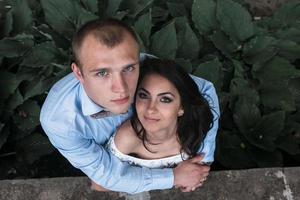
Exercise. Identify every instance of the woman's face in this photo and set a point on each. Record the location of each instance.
(158, 104)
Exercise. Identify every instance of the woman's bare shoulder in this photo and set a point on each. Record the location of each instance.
(126, 139)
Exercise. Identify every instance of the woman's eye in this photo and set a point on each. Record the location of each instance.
(166, 100)
(142, 95)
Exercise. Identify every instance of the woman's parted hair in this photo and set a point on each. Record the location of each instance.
(197, 119)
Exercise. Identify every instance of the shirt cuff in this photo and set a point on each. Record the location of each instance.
(162, 178)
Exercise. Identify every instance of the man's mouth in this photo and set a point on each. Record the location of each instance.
(121, 100)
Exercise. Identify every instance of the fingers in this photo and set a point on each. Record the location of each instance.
(185, 189)
(204, 175)
(96, 187)
(188, 174)
(191, 189)
(188, 189)
(197, 159)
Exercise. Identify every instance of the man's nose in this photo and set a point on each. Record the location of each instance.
(119, 84)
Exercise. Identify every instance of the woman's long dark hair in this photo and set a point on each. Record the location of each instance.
(197, 119)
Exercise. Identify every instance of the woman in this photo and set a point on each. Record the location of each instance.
(170, 119)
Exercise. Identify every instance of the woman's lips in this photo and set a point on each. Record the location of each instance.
(150, 119)
(120, 101)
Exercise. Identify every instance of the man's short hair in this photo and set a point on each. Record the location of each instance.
(109, 32)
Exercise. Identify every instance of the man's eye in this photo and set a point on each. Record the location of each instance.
(129, 68)
(102, 73)
(142, 95)
(166, 100)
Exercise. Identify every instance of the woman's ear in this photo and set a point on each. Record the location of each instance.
(180, 112)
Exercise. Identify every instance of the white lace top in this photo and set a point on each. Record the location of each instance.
(171, 161)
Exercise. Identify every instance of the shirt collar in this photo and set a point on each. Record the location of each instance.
(87, 105)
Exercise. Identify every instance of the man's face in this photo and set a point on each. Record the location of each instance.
(109, 75)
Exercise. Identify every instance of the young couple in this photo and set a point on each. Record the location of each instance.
(110, 109)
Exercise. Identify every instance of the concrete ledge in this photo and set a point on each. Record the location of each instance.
(266, 184)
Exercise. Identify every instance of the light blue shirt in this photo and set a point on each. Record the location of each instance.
(65, 117)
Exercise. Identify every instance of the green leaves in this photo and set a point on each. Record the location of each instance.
(9, 83)
(33, 147)
(22, 15)
(177, 9)
(61, 15)
(234, 20)
(267, 130)
(112, 7)
(288, 49)
(4, 132)
(164, 42)
(135, 7)
(65, 16)
(232, 152)
(44, 54)
(274, 77)
(224, 43)
(186, 39)
(245, 100)
(288, 14)
(259, 49)
(211, 71)
(204, 16)
(14, 101)
(143, 27)
(27, 116)
(278, 69)
(16, 46)
(90, 5)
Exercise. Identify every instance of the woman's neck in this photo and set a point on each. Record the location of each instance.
(162, 136)
(163, 141)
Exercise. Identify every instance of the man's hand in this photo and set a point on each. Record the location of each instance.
(99, 188)
(190, 174)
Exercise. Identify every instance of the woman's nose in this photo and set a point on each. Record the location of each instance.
(152, 106)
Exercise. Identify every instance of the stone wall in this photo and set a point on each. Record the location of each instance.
(256, 184)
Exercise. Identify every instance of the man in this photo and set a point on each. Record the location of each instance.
(84, 109)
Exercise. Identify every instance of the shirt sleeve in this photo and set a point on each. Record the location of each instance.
(104, 168)
(208, 91)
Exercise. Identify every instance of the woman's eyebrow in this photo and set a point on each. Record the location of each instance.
(165, 93)
(144, 90)
(160, 94)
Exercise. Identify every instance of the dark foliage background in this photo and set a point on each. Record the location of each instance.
(253, 62)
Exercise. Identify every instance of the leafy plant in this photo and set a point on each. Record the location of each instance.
(253, 63)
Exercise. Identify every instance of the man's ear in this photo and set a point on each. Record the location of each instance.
(180, 112)
(77, 72)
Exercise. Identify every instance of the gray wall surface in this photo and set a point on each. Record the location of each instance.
(256, 184)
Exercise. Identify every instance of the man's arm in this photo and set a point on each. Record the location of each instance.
(199, 172)
(104, 168)
(208, 91)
